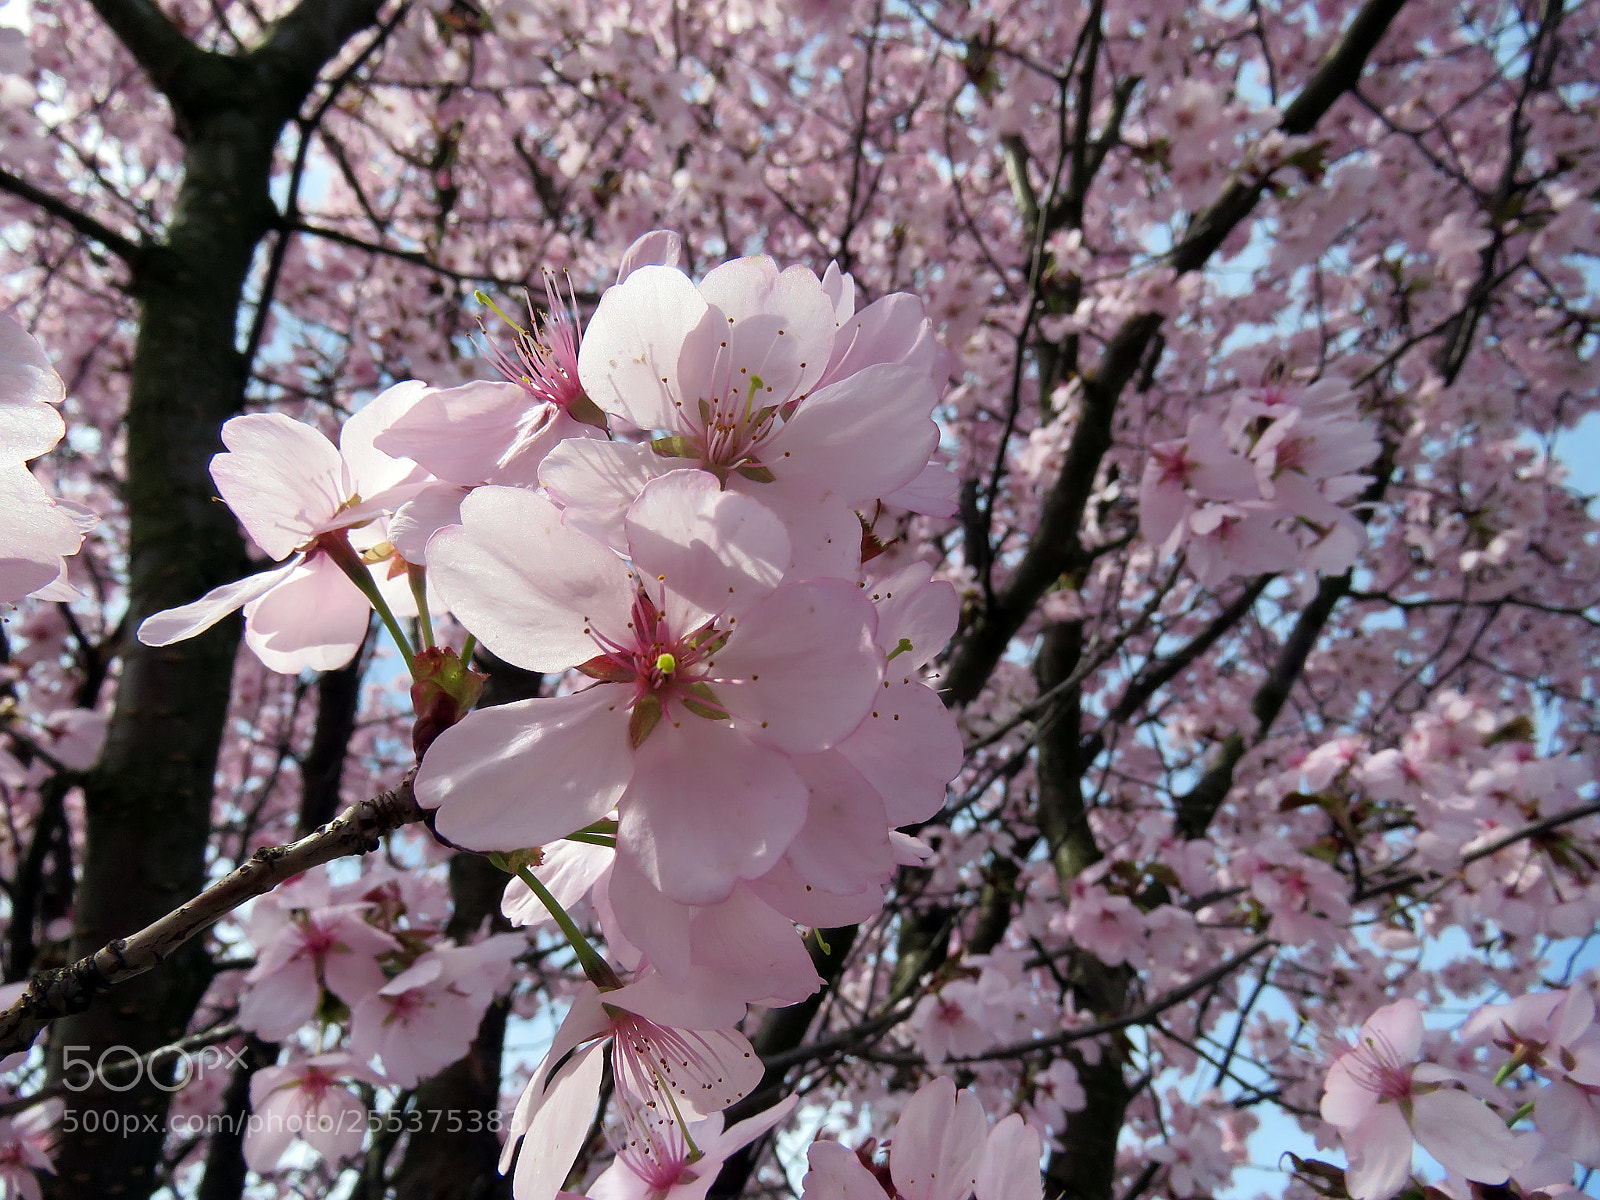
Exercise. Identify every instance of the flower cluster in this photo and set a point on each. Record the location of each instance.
(672, 514)
(1263, 489)
(943, 1148)
(369, 956)
(1536, 1056)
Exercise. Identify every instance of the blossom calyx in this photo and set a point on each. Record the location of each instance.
(443, 690)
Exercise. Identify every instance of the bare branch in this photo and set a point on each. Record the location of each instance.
(56, 993)
(157, 45)
(1056, 547)
(124, 248)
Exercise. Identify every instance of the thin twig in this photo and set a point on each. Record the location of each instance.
(70, 989)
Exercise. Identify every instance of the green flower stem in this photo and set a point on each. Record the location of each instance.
(417, 577)
(1518, 1058)
(593, 839)
(596, 968)
(336, 545)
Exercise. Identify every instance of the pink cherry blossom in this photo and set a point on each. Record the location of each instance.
(425, 1018)
(36, 530)
(1555, 1034)
(666, 1075)
(303, 1102)
(1383, 1102)
(332, 947)
(25, 1150)
(732, 374)
(941, 1149)
(667, 1169)
(288, 485)
(710, 676)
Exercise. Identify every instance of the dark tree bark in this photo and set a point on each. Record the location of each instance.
(148, 801)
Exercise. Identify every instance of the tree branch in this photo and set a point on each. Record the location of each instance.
(124, 248)
(56, 993)
(1056, 549)
(416, 258)
(157, 45)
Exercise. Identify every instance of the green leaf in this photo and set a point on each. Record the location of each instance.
(674, 447)
(645, 716)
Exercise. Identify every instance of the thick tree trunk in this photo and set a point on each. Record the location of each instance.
(148, 801)
(453, 1154)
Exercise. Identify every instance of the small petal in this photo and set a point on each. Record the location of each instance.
(658, 248)
(802, 669)
(1010, 1166)
(316, 618)
(554, 1125)
(633, 342)
(282, 479)
(175, 624)
(707, 808)
(1465, 1135)
(938, 1144)
(718, 551)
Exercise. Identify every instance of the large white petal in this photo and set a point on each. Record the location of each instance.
(707, 808)
(802, 666)
(557, 1122)
(529, 588)
(938, 1143)
(374, 475)
(717, 551)
(1465, 1134)
(629, 357)
(776, 327)
(862, 437)
(908, 747)
(282, 479)
(316, 619)
(520, 775)
(457, 433)
(596, 482)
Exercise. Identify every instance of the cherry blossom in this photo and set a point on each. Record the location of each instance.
(1384, 1102)
(38, 531)
(426, 1017)
(667, 1169)
(737, 376)
(942, 1149)
(332, 947)
(303, 1102)
(710, 676)
(289, 485)
(668, 1075)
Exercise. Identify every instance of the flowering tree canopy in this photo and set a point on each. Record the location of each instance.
(931, 601)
